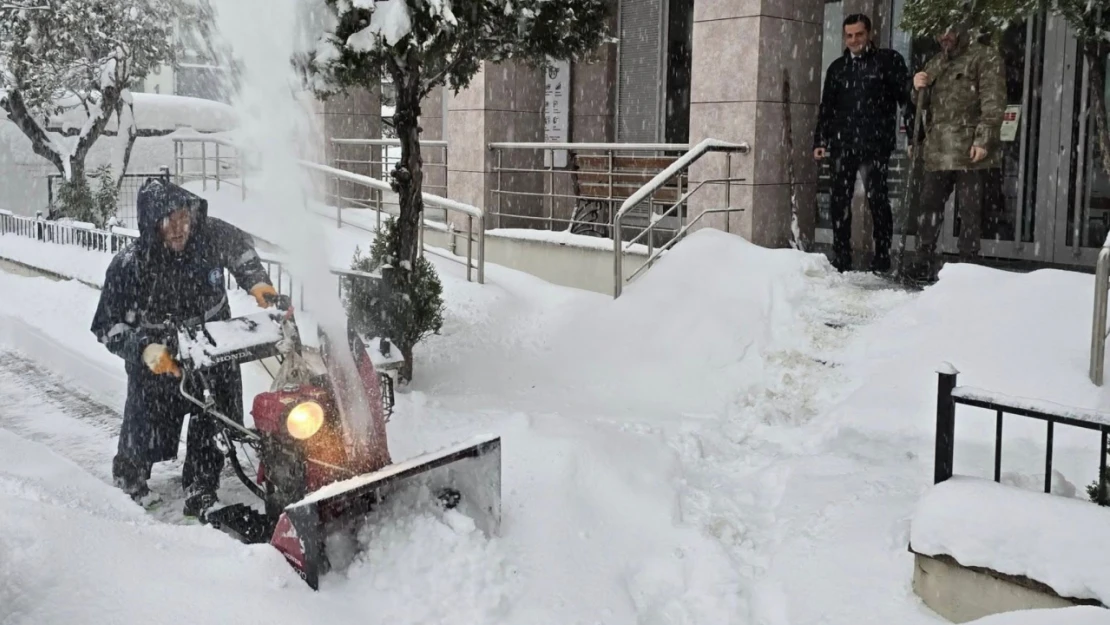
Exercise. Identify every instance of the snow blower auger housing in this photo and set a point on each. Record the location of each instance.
(312, 479)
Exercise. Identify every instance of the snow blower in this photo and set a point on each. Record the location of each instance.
(315, 474)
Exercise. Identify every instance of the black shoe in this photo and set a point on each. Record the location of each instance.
(842, 264)
(199, 503)
(139, 492)
(920, 274)
(880, 263)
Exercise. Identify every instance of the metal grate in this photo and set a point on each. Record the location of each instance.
(127, 203)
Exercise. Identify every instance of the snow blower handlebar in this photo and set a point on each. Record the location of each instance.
(246, 339)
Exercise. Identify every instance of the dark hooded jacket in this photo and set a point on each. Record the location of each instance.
(147, 284)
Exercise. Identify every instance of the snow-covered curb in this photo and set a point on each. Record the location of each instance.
(1047, 538)
(1081, 615)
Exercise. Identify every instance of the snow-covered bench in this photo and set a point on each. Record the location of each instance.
(982, 547)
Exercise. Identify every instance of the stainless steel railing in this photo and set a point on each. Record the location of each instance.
(677, 210)
(380, 199)
(1098, 324)
(577, 186)
(475, 232)
(207, 164)
(376, 158)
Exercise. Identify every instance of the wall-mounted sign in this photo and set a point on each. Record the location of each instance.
(556, 111)
(1011, 119)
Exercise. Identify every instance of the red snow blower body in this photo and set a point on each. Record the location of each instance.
(319, 442)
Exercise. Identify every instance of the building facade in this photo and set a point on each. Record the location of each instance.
(687, 70)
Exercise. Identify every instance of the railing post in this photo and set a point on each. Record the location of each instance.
(618, 262)
(217, 166)
(1098, 324)
(482, 249)
(469, 243)
(203, 166)
(39, 226)
(946, 424)
(1102, 471)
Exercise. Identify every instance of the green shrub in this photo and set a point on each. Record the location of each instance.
(404, 311)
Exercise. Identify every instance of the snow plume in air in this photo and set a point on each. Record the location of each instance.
(258, 39)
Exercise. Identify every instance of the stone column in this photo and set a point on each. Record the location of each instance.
(356, 115)
(740, 51)
(504, 102)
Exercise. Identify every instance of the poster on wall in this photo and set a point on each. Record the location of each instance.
(556, 111)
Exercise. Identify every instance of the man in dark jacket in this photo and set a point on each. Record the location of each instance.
(856, 127)
(173, 273)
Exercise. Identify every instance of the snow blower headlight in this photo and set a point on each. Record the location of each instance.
(304, 420)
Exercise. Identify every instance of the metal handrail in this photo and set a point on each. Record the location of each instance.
(427, 143)
(681, 164)
(600, 147)
(381, 161)
(472, 213)
(1098, 324)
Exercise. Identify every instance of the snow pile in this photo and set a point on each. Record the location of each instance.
(1050, 539)
(692, 333)
(68, 260)
(1025, 335)
(76, 549)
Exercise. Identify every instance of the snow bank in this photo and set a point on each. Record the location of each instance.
(68, 260)
(564, 237)
(76, 549)
(1025, 335)
(1043, 537)
(1081, 615)
(692, 333)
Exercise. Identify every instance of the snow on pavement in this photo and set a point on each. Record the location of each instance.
(744, 447)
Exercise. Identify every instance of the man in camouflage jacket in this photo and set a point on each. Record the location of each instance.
(965, 100)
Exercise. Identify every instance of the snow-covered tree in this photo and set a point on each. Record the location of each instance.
(1089, 20)
(61, 56)
(423, 44)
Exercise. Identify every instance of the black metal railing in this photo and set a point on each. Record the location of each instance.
(949, 394)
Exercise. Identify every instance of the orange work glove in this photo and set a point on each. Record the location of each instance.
(260, 291)
(158, 360)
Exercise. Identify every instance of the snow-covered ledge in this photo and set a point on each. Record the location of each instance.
(984, 548)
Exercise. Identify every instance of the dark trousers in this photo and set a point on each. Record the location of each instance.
(845, 166)
(151, 429)
(936, 187)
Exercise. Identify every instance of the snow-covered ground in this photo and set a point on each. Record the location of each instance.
(742, 437)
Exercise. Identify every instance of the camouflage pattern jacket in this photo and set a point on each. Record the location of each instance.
(965, 104)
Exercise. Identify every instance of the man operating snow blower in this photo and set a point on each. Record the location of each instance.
(173, 275)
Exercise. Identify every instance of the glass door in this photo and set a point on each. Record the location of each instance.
(1083, 197)
(1012, 227)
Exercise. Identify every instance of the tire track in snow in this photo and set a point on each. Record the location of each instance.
(41, 407)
